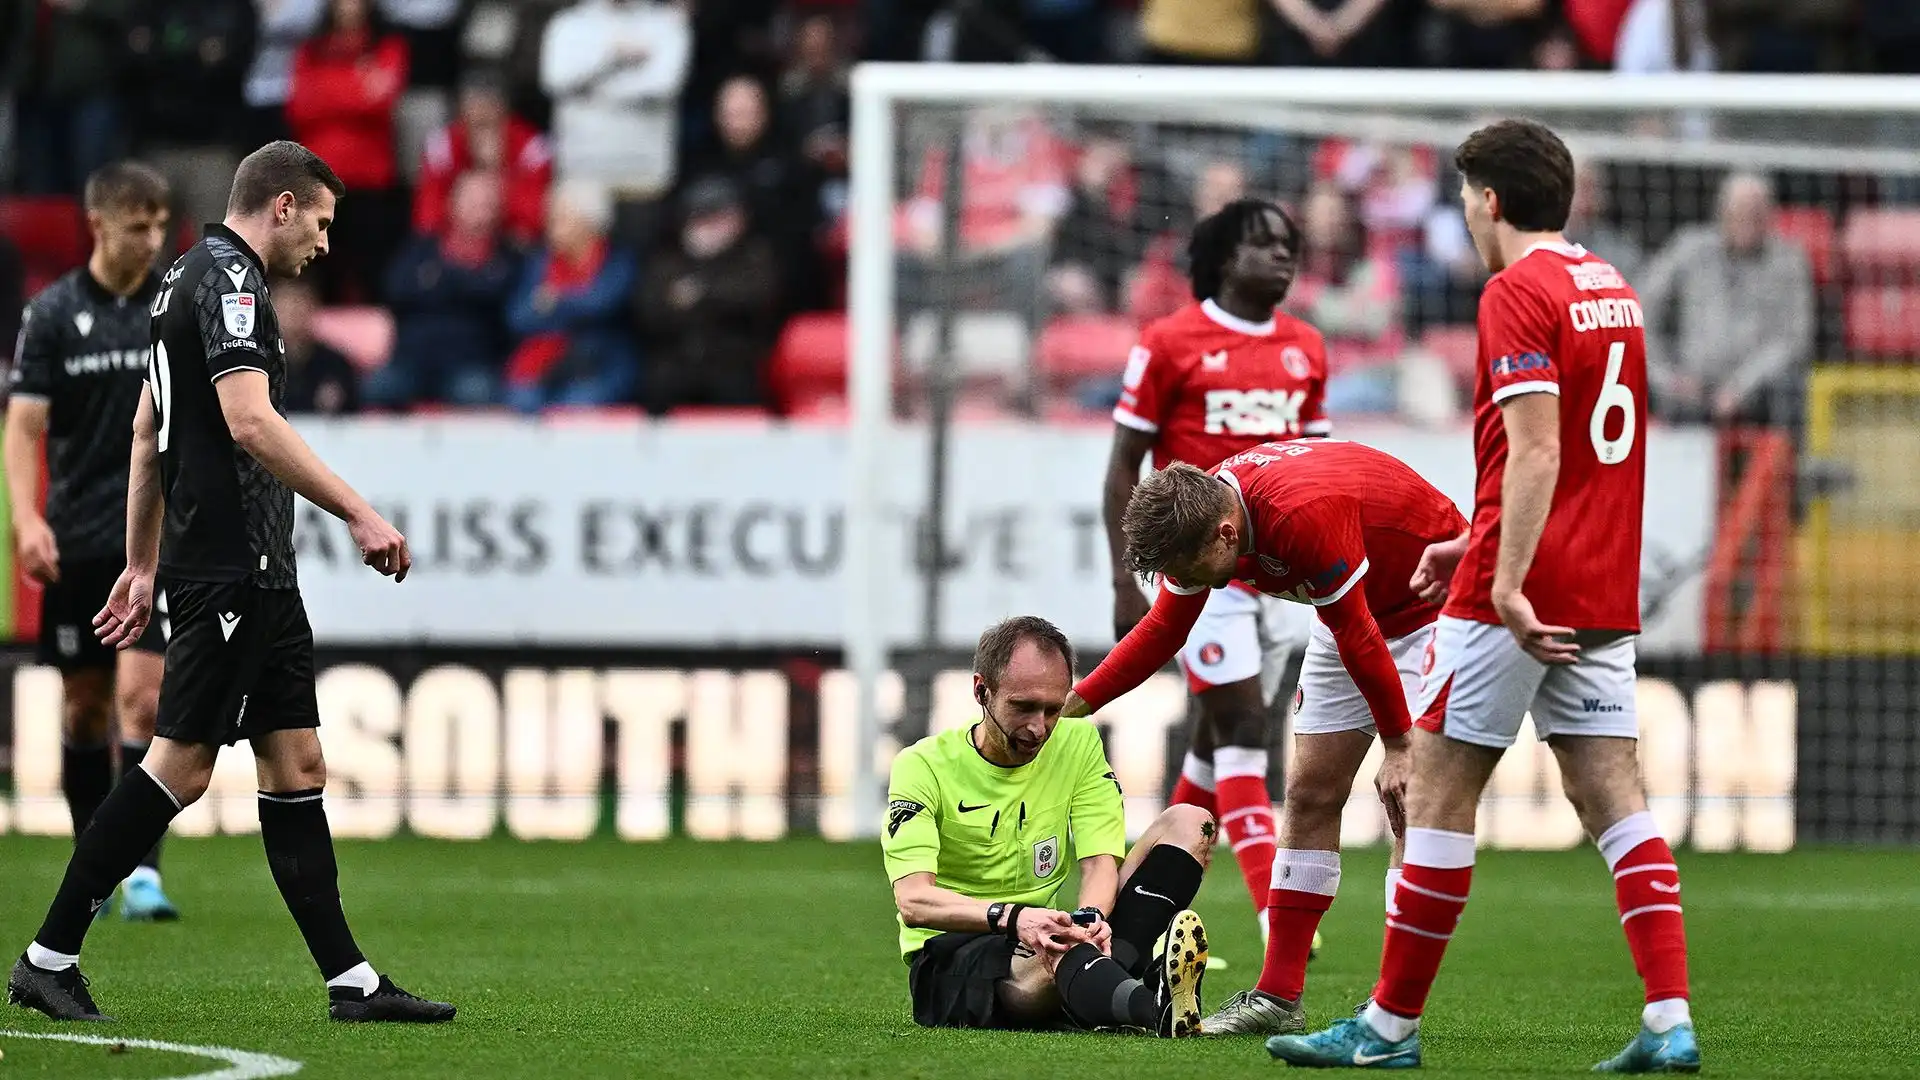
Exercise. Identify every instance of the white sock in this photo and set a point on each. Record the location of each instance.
(360, 976)
(47, 960)
(1393, 885)
(144, 874)
(1663, 1016)
(1391, 1026)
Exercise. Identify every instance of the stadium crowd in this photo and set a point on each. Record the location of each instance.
(640, 204)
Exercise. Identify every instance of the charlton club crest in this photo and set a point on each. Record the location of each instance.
(1294, 359)
(1274, 567)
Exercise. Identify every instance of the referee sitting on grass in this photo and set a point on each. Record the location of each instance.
(981, 823)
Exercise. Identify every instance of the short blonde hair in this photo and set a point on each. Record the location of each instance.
(1173, 515)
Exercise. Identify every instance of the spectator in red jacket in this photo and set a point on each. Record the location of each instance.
(346, 80)
(486, 137)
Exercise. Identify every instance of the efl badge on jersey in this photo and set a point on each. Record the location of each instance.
(236, 310)
(1294, 359)
(1046, 857)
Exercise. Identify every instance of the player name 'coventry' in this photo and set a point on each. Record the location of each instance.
(1609, 314)
(110, 360)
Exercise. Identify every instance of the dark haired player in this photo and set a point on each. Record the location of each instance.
(1542, 608)
(210, 510)
(1219, 376)
(982, 823)
(78, 368)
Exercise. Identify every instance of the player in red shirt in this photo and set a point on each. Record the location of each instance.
(1335, 525)
(1542, 609)
(1220, 375)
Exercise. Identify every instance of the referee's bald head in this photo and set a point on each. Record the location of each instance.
(280, 166)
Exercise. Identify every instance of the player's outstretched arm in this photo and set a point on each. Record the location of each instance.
(1526, 496)
(265, 435)
(1146, 649)
(32, 537)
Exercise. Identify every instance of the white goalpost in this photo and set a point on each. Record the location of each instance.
(1835, 147)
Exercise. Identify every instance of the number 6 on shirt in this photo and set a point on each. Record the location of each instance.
(1613, 395)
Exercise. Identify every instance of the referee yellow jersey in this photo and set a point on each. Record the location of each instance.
(995, 833)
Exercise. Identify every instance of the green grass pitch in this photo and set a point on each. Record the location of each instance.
(682, 959)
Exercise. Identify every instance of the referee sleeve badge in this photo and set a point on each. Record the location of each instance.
(899, 812)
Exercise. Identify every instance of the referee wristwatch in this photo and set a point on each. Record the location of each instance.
(995, 912)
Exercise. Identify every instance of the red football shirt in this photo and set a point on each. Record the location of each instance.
(1562, 321)
(1334, 524)
(1206, 384)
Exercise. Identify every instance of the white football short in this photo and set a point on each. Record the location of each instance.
(1329, 700)
(1481, 685)
(1244, 635)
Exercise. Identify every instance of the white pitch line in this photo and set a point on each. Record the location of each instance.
(241, 1064)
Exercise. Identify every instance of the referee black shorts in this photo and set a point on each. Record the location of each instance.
(67, 608)
(955, 981)
(239, 663)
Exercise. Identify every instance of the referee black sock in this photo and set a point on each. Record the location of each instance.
(293, 826)
(135, 815)
(131, 755)
(86, 775)
(1098, 992)
(1165, 884)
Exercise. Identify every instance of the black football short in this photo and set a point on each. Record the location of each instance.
(955, 981)
(67, 608)
(239, 663)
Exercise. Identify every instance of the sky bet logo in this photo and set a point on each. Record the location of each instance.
(1327, 580)
(1516, 364)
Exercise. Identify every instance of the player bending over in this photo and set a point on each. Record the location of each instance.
(210, 511)
(1542, 609)
(1221, 375)
(79, 366)
(1336, 525)
(981, 824)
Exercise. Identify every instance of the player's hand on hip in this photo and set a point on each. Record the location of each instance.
(1130, 605)
(129, 609)
(1047, 931)
(381, 546)
(1436, 568)
(1391, 781)
(39, 554)
(1547, 644)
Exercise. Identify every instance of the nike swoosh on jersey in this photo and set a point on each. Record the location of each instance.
(965, 809)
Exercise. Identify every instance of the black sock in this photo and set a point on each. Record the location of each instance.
(133, 816)
(293, 826)
(131, 755)
(1165, 884)
(1098, 992)
(86, 775)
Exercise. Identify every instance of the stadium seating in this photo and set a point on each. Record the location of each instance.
(989, 349)
(1883, 321)
(1084, 347)
(1813, 228)
(1881, 245)
(364, 335)
(809, 363)
(50, 232)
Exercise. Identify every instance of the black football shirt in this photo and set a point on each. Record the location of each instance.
(228, 518)
(83, 351)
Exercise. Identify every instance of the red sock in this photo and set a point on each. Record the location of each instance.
(1188, 793)
(1293, 914)
(1246, 817)
(1646, 883)
(1427, 907)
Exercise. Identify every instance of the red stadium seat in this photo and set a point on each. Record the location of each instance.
(1881, 247)
(1458, 346)
(50, 232)
(1085, 347)
(1812, 227)
(363, 335)
(809, 362)
(1883, 321)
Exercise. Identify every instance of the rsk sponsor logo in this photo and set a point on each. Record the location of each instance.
(1254, 412)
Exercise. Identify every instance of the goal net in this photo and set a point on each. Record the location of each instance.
(1014, 226)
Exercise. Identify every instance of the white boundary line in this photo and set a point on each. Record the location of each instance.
(241, 1064)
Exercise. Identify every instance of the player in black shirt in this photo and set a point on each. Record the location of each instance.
(212, 441)
(78, 370)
